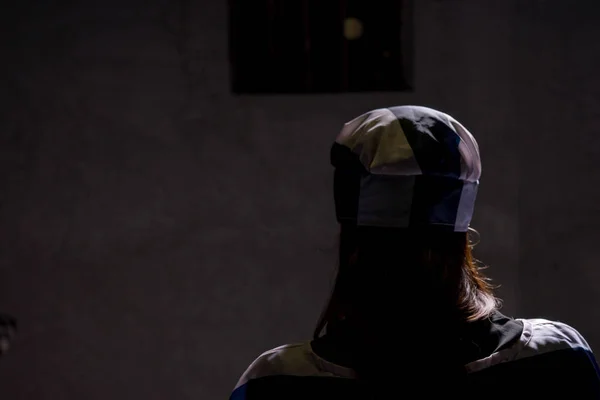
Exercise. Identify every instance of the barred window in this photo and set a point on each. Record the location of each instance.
(319, 46)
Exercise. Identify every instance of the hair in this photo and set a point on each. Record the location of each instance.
(388, 277)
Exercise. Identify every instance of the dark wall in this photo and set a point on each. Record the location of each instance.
(158, 233)
(558, 101)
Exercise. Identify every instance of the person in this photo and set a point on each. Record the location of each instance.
(411, 313)
(8, 326)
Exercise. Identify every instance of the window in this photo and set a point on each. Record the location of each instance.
(319, 46)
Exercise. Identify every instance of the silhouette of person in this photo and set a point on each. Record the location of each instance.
(411, 314)
(8, 327)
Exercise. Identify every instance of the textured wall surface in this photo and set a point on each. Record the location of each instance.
(558, 112)
(158, 233)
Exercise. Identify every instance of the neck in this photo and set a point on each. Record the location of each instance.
(349, 343)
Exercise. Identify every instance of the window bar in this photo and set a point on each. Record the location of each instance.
(343, 11)
(307, 58)
(271, 17)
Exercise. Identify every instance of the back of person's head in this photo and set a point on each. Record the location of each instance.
(405, 184)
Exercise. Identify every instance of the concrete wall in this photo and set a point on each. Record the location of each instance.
(158, 233)
(558, 99)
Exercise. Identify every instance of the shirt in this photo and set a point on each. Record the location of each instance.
(547, 358)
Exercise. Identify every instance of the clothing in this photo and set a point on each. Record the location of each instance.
(406, 167)
(545, 359)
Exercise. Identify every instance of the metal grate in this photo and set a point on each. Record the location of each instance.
(319, 46)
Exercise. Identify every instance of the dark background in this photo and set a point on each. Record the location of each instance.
(157, 233)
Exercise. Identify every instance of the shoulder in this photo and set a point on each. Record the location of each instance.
(289, 359)
(557, 346)
(543, 343)
(551, 352)
(547, 336)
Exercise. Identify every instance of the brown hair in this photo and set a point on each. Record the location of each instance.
(384, 256)
(427, 283)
